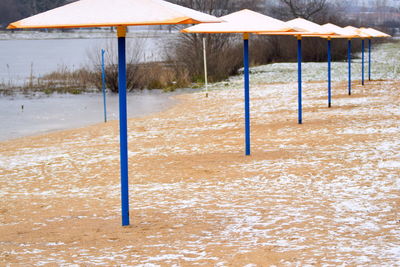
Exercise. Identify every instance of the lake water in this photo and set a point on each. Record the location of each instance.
(23, 54)
(57, 112)
(20, 58)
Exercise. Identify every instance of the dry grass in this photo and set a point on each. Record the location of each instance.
(61, 81)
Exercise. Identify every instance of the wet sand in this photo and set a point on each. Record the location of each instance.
(322, 193)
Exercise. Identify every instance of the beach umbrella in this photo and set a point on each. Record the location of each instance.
(119, 13)
(357, 32)
(311, 30)
(304, 28)
(373, 34)
(244, 22)
(339, 33)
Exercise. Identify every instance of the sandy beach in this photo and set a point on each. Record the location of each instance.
(322, 193)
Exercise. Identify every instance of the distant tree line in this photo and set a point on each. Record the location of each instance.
(12, 10)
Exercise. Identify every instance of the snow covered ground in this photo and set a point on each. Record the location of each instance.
(385, 65)
(322, 193)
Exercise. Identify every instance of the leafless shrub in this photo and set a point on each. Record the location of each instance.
(224, 56)
(163, 75)
(135, 48)
(224, 51)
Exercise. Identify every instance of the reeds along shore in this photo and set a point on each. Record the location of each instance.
(151, 75)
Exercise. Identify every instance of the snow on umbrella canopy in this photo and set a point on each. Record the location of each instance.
(374, 33)
(310, 28)
(339, 32)
(243, 21)
(357, 32)
(103, 13)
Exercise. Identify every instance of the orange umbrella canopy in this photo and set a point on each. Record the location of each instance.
(303, 28)
(374, 33)
(243, 21)
(310, 28)
(339, 31)
(357, 32)
(99, 13)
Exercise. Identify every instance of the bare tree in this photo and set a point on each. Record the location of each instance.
(11, 10)
(223, 50)
(134, 56)
(380, 7)
(307, 9)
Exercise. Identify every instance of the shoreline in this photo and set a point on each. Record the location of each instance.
(157, 101)
(81, 34)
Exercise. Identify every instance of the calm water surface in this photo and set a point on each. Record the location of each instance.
(57, 112)
(22, 57)
(19, 59)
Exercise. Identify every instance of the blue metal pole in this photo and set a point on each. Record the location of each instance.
(123, 127)
(349, 63)
(103, 80)
(369, 59)
(299, 59)
(246, 91)
(329, 74)
(362, 61)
